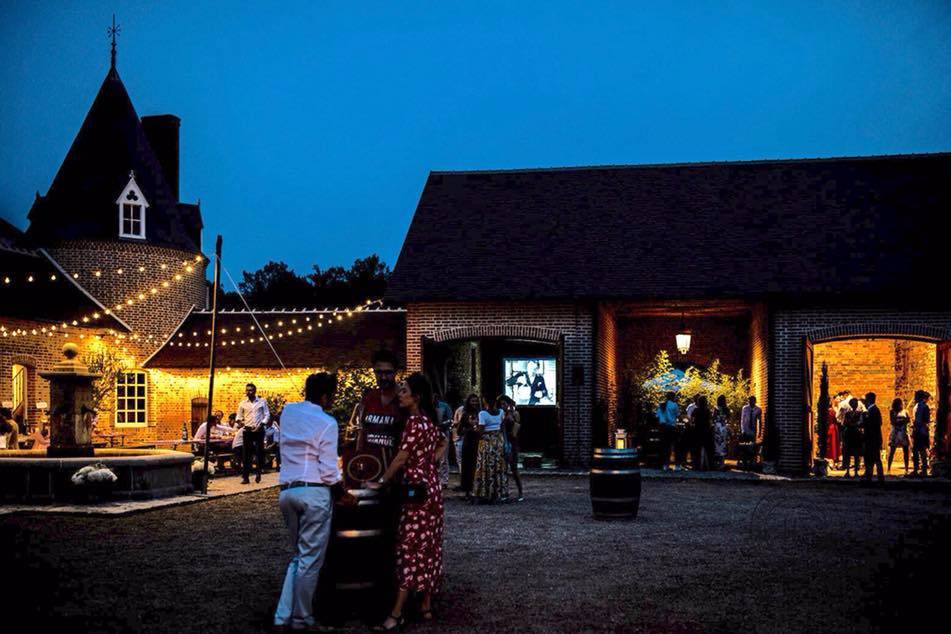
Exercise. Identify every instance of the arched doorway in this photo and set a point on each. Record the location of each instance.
(20, 384)
(892, 361)
(527, 366)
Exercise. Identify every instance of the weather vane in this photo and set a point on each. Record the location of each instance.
(113, 32)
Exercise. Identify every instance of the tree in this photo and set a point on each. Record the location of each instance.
(365, 279)
(108, 364)
(275, 285)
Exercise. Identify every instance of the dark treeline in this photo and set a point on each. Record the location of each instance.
(275, 285)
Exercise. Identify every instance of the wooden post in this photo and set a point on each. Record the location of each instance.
(211, 360)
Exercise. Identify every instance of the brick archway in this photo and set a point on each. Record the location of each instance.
(513, 331)
(873, 329)
(25, 360)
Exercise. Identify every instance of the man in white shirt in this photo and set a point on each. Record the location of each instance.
(310, 480)
(253, 414)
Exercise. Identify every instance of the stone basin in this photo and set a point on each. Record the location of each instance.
(32, 477)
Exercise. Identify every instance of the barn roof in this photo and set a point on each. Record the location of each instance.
(841, 227)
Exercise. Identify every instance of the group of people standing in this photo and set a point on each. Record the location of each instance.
(486, 439)
(854, 432)
(704, 433)
(398, 448)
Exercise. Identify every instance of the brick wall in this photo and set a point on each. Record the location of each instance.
(567, 323)
(163, 310)
(37, 353)
(789, 329)
(173, 390)
(639, 339)
(892, 368)
(759, 355)
(606, 372)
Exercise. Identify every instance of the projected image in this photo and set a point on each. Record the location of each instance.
(530, 381)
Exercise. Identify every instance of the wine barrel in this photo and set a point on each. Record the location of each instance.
(360, 539)
(615, 484)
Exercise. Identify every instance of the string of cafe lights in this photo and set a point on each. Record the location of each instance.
(287, 326)
(140, 297)
(30, 277)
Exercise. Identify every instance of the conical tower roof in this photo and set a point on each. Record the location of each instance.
(81, 202)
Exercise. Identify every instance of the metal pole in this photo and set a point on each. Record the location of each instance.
(211, 360)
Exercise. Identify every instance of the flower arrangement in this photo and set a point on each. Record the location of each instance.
(644, 389)
(275, 403)
(94, 475)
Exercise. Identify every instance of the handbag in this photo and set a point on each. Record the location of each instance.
(413, 493)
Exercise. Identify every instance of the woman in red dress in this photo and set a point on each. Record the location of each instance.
(833, 446)
(419, 547)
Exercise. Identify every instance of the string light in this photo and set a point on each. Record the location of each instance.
(187, 265)
(140, 296)
(332, 316)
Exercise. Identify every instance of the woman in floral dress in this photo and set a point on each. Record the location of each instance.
(419, 547)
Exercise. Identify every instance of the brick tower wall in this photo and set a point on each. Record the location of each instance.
(163, 310)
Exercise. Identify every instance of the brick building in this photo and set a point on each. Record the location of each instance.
(775, 267)
(304, 341)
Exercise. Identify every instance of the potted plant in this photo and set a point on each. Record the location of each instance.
(200, 476)
(93, 482)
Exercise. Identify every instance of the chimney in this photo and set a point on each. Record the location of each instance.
(162, 133)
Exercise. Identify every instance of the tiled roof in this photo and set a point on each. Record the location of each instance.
(843, 227)
(80, 203)
(347, 342)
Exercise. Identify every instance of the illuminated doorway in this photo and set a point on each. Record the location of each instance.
(892, 368)
(20, 379)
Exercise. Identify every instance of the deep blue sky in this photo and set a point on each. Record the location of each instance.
(308, 129)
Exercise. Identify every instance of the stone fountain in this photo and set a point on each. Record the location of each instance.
(34, 477)
(70, 415)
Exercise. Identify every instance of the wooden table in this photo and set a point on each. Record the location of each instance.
(112, 438)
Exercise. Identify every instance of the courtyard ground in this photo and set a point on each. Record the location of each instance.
(702, 556)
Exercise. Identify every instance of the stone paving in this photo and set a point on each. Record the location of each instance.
(217, 487)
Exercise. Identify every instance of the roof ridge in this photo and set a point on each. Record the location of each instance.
(300, 311)
(763, 161)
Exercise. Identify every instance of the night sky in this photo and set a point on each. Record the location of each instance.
(308, 129)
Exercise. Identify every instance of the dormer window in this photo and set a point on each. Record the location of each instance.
(132, 206)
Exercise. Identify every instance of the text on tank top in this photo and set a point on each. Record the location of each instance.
(382, 424)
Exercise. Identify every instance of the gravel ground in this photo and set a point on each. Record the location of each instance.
(702, 556)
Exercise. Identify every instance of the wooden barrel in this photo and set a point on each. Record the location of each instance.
(615, 484)
(360, 541)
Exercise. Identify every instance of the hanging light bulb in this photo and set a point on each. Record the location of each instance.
(683, 337)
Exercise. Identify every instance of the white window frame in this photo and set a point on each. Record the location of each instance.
(132, 198)
(140, 415)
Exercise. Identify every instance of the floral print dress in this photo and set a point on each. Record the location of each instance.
(419, 551)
